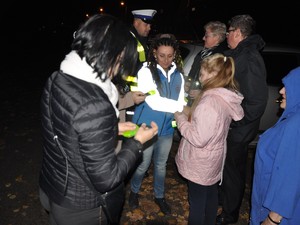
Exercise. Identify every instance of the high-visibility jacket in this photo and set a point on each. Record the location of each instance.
(140, 49)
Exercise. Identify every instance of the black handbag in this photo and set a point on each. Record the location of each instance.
(112, 202)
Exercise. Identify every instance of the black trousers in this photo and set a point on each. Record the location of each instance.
(231, 191)
(203, 202)
(62, 216)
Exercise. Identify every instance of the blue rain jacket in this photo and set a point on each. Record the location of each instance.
(276, 182)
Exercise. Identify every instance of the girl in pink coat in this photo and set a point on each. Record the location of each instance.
(204, 128)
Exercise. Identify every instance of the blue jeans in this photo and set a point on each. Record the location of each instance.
(159, 150)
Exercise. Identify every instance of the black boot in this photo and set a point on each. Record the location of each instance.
(164, 207)
(222, 219)
(133, 200)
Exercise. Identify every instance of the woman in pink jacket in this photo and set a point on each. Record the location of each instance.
(204, 128)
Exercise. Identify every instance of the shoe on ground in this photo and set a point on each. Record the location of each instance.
(223, 220)
(163, 205)
(133, 200)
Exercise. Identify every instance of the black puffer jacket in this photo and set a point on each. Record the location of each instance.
(84, 120)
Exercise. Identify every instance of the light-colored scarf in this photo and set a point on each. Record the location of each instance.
(77, 67)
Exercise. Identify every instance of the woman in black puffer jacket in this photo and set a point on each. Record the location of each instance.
(78, 108)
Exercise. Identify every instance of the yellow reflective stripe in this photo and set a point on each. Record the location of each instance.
(141, 51)
(131, 79)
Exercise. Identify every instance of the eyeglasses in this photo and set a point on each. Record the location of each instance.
(227, 33)
(209, 35)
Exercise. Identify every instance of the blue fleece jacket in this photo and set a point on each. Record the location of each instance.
(276, 183)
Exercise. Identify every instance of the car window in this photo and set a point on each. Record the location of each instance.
(278, 64)
(183, 52)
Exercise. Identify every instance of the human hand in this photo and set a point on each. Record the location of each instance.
(176, 114)
(125, 126)
(266, 222)
(186, 110)
(145, 133)
(272, 218)
(138, 97)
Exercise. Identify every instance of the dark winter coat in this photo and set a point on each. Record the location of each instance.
(86, 124)
(251, 74)
(195, 69)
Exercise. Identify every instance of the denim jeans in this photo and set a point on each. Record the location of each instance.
(159, 151)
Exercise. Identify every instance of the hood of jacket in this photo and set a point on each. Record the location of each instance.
(292, 83)
(233, 99)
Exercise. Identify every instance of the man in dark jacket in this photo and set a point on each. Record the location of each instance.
(250, 72)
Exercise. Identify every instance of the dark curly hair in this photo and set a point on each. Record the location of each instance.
(163, 40)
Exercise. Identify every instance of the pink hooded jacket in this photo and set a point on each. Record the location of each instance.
(202, 150)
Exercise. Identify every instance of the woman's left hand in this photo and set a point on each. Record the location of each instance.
(176, 114)
(186, 110)
(125, 126)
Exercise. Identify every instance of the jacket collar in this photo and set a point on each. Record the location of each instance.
(77, 67)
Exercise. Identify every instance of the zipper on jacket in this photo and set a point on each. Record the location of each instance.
(168, 95)
(58, 144)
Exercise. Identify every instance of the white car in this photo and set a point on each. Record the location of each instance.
(279, 60)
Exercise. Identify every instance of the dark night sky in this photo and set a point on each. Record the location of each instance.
(25, 22)
(276, 21)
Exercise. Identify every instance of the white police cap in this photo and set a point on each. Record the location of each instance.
(144, 14)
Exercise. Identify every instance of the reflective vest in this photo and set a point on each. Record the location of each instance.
(132, 82)
(140, 49)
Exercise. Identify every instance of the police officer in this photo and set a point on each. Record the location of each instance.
(140, 29)
(141, 26)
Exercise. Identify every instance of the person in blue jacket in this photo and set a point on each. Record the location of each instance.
(276, 182)
(162, 76)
